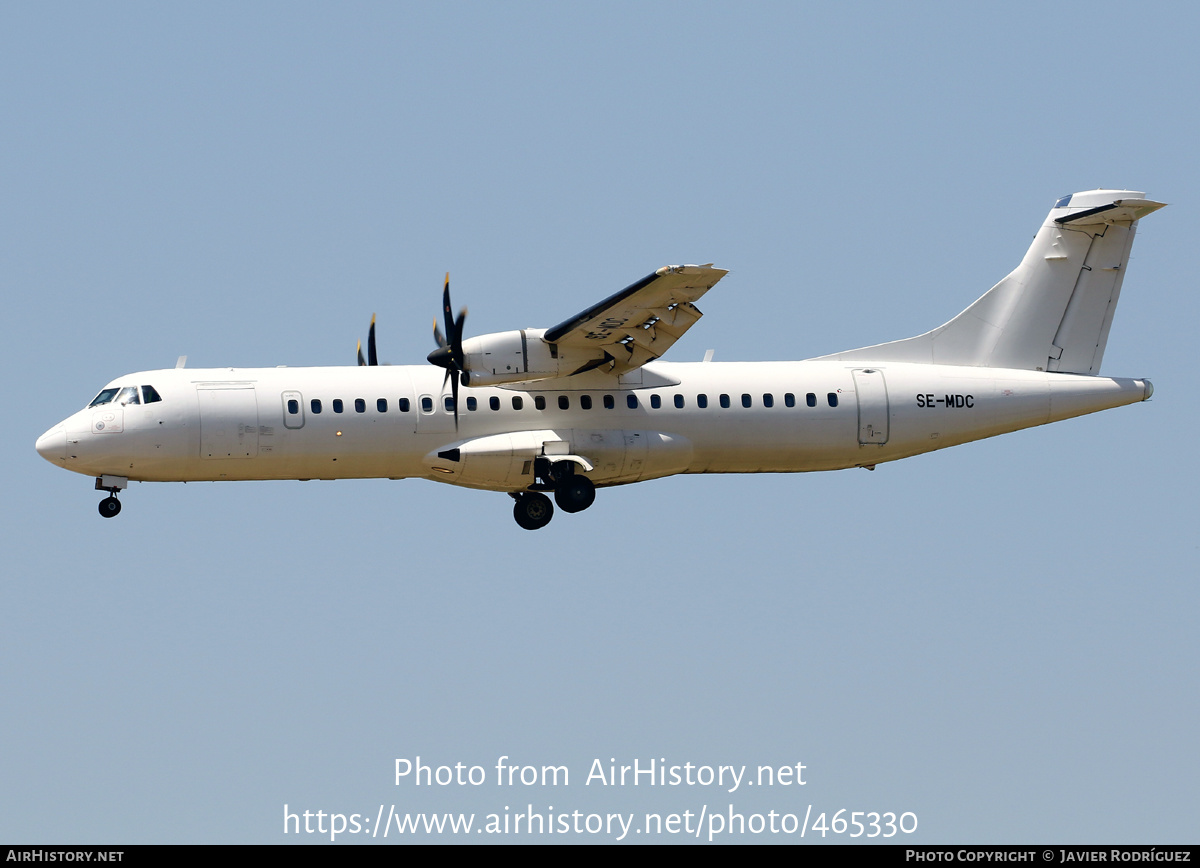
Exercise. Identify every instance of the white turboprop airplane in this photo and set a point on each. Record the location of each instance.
(585, 404)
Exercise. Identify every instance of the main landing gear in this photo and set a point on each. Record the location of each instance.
(572, 492)
(532, 510)
(110, 507)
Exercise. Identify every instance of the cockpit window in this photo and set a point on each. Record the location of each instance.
(129, 395)
(150, 395)
(104, 397)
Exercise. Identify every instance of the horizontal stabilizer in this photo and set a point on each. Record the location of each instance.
(1122, 210)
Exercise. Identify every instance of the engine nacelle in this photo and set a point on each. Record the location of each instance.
(522, 356)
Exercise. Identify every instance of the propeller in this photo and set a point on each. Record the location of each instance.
(449, 354)
(372, 358)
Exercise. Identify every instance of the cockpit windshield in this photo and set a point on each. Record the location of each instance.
(129, 395)
(104, 397)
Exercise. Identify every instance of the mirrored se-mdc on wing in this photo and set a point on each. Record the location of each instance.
(641, 322)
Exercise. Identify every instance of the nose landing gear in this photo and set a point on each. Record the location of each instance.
(110, 506)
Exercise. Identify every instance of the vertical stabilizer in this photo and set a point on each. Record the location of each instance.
(1054, 311)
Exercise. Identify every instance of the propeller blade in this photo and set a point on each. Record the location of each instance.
(372, 357)
(456, 340)
(446, 311)
(361, 360)
(449, 354)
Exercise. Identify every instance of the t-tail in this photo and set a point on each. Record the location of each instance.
(1054, 311)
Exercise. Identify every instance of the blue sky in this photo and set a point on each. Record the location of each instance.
(999, 638)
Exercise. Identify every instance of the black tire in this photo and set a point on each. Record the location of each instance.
(575, 494)
(533, 511)
(110, 506)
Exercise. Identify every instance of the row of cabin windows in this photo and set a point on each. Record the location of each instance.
(564, 402)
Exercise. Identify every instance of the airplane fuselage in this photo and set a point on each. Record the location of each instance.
(392, 422)
(587, 404)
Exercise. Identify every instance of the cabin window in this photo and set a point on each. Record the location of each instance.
(426, 404)
(768, 400)
(337, 405)
(539, 402)
(789, 400)
(293, 407)
(609, 402)
(104, 397)
(585, 402)
(655, 401)
(494, 402)
(724, 402)
(679, 402)
(746, 402)
(702, 402)
(472, 404)
(564, 402)
(381, 405)
(315, 404)
(448, 403)
(518, 403)
(631, 402)
(150, 395)
(360, 406)
(405, 406)
(810, 399)
(832, 396)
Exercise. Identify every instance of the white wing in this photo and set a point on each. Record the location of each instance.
(642, 321)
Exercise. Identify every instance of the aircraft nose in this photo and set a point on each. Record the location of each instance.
(53, 445)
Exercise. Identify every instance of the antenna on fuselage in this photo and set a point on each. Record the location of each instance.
(180, 362)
